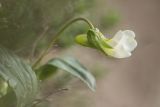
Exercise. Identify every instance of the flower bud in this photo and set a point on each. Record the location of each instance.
(3, 88)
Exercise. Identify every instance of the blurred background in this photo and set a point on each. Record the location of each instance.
(131, 82)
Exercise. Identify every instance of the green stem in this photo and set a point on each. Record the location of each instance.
(55, 38)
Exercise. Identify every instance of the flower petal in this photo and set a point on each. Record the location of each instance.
(118, 52)
(130, 44)
(124, 38)
(129, 33)
(118, 36)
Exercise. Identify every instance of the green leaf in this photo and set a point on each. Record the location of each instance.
(46, 71)
(73, 66)
(19, 76)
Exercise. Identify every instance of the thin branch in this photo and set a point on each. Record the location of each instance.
(38, 101)
(55, 38)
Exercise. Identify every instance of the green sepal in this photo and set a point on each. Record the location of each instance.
(94, 39)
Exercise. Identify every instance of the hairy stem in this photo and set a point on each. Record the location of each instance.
(55, 38)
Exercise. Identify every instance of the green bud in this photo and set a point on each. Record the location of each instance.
(3, 87)
(82, 40)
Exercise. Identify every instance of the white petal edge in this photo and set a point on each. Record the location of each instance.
(129, 33)
(130, 44)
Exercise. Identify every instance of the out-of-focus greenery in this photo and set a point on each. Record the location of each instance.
(20, 22)
(68, 37)
(23, 21)
(110, 19)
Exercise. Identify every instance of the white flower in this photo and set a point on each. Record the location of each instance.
(120, 46)
(123, 43)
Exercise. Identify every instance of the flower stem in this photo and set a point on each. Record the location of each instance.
(55, 38)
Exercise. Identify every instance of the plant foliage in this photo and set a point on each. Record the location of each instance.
(68, 64)
(19, 76)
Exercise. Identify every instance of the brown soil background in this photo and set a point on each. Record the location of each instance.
(135, 82)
